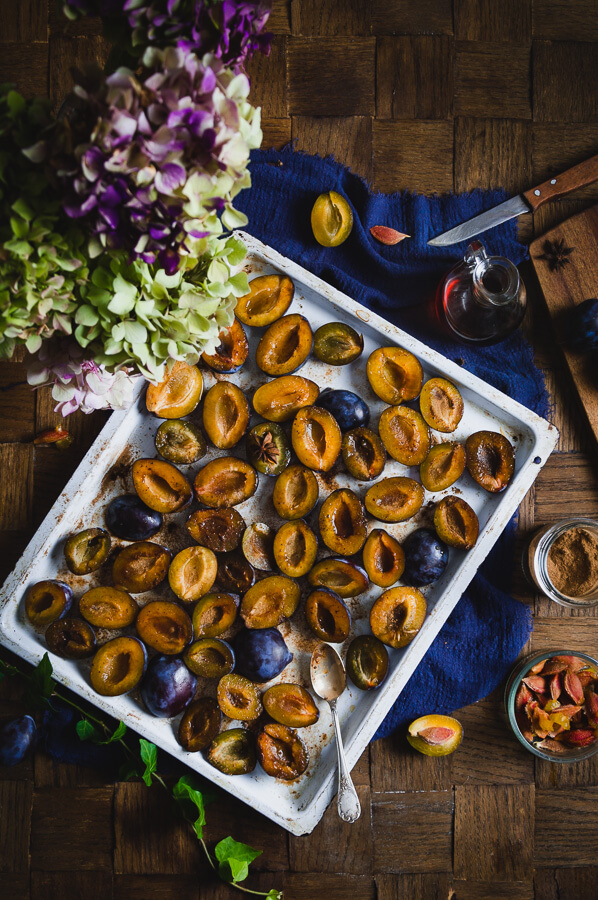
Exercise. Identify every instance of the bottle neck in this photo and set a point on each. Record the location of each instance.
(496, 281)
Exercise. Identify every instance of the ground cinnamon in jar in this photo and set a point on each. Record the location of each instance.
(572, 562)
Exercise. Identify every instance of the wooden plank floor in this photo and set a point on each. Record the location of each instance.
(431, 95)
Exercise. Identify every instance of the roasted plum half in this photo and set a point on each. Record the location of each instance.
(258, 546)
(367, 662)
(280, 399)
(225, 482)
(316, 438)
(394, 374)
(285, 346)
(405, 435)
(268, 448)
(178, 393)
(165, 626)
(364, 455)
(261, 654)
(129, 518)
(342, 522)
(290, 705)
(345, 578)
(180, 442)
(296, 492)
(444, 464)
(167, 687)
(85, 551)
(141, 567)
(349, 410)
(108, 607)
(225, 415)
(210, 658)
(71, 638)
(426, 557)
(118, 666)
(239, 698)
(281, 752)
(490, 460)
(47, 601)
(456, 523)
(295, 548)
(220, 530)
(200, 724)
(328, 616)
(214, 614)
(192, 573)
(441, 405)
(160, 485)
(233, 752)
(231, 352)
(268, 299)
(270, 601)
(397, 616)
(435, 735)
(235, 573)
(337, 344)
(394, 499)
(383, 558)
(331, 219)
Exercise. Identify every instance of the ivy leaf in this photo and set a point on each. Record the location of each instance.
(7, 670)
(128, 770)
(234, 859)
(274, 895)
(117, 734)
(86, 730)
(187, 795)
(40, 685)
(149, 755)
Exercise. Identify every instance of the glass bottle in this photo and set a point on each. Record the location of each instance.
(482, 299)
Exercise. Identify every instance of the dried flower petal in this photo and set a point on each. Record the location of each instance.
(51, 436)
(535, 670)
(523, 696)
(574, 663)
(386, 235)
(553, 666)
(536, 683)
(555, 686)
(572, 685)
(551, 745)
(592, 708)
(580, 737)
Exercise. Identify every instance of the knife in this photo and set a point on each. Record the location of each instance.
(585, 173)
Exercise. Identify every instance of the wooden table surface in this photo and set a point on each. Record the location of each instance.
(431, 95)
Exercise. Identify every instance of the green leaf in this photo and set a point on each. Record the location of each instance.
(40, 684)
(7, 670)
(149, 755)
(86, 730)
(135, 332)
(128, 770)
(274, 895)
(15, 102)
(234, 859)
(86, 315)
(122, 303)
(187, 796)
(117, 734)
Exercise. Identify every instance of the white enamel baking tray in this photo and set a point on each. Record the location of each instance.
(129, 435)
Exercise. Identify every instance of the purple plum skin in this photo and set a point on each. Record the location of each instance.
(168, 686)
(349, 410)
(426, 557)
(16, 737)
(129, 518)
(261, 654)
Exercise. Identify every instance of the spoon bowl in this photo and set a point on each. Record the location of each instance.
(327, 672)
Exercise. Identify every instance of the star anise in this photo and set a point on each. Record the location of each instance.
(556, 253)
(267, 451)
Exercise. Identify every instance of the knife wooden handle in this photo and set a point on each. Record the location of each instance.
(585, 173)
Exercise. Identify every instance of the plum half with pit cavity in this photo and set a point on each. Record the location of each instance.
(281, 752)
(280, 399)
(316, 438)
(456, 523)
(220, 530)
(363, 452)
(285, 346)
(328, 616)
(295, 548)
(200, 724)
(118, 666)
(441, 404)
(444, 464)
(295, 493)
(342, 522)
(367, 662)
(383, 558)
(85, 551)
(177, 394)
(233, 752)
(239, 698)
(225, 415)
(337, 344)
(394, 374)
(231, 352)
(490, 460)
(342, 576)
(108, 607)
(160, 485)
(46, 601)
(270, 601)
(397, 616)
(226, 481)
(214, 614)
(291, 705)
(165, 626)
(268, 299)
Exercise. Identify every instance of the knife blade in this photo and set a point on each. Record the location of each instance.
(576, 177)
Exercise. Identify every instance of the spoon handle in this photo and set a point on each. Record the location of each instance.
(349, 807)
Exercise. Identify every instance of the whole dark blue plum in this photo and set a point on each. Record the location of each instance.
(581, 326)
(129, 518)
(349, 410)
(168, 686)
(426, 557)
(16, 737)
(261, 654)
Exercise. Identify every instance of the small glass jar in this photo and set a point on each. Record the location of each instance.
(535, 562)
(520, 670)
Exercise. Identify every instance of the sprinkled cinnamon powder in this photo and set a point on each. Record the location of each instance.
(572, 562)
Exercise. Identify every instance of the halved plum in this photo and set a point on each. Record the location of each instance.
(268, 448)
(47, 601)
(235, 574)
(342, 522)
(281, 752)
(397, 615)
(210, 658)
(221, 530)
(71, 638)
(383, 558)
(180, 442)
(337, 344)
(328, 616)
(165, 626)
(456, 523)
(233, 752)
(141, 567)
(367, 662)
(118, 666)
(231, 352)
(444, 464)
(394, 499)
(435, 735)
(108, 607)
(490, 460)
(85, 551)
(345, 578)
(225, 414)
(160, 485)
(192, 573)
(363, 454)
(178, 393)
(405, 435)
(224, 482)
(394, 374)
(268, 299)
(291, 705)
(214, 613)
(199, 724)
(316, 438)
(280, 399)
(285, 346)
(258, 546)
(295, 548)
(270, 601)
(239, 698)
(295, 493)
(441, 405)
